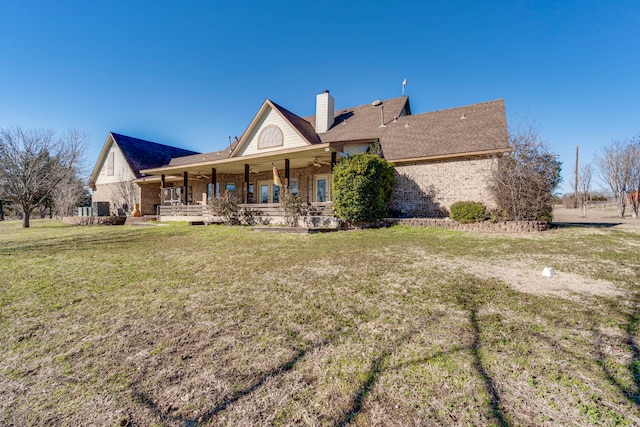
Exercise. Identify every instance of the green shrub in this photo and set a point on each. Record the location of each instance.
(362, 187)
(468, 211)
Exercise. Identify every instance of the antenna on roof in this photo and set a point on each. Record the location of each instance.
(404, 83)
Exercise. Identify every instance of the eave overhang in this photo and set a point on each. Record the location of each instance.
(484, 153)
(298, 157)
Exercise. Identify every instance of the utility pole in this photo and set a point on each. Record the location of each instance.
(575, 189)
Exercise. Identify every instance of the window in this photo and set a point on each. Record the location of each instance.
(250, 195)
(293, 187)
(110, 164)
(276, 194)
(230, 187)
(173, 195)
(270, 136)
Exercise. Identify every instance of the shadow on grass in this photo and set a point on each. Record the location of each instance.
(75, 242)
(378, 368)
(632, 328)
(372, 377)
(469, 302)
(287, 366)
(496, 409)
(632, 392)
(584, 224)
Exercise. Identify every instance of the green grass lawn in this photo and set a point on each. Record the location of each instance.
(183, 326)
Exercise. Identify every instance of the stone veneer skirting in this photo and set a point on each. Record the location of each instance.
(503, 226)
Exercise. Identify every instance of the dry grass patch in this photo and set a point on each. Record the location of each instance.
(185, 326)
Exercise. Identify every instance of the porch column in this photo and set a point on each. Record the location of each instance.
(333, 159)
(162, 184)
(286, 174)
(213, 184)
(185, 181)
(245, 188)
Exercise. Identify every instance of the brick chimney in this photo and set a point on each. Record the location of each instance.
(324, 111)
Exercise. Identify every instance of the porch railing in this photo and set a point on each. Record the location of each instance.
(195, 212)
(183, 210)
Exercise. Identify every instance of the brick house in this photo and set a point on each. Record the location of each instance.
(440, 157)
(114, 176)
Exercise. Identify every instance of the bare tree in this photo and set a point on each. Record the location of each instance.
(524, 180)
(616, 167)
(67, 195)
(127, 194)
(33, 162)
(584, 188)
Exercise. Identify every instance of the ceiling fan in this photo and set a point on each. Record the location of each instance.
(318, 163)
(202, 176)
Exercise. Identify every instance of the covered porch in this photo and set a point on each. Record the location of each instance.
(187, 190)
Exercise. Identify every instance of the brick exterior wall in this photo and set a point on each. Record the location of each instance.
(149, 199)
(428, 189)
(114, 194)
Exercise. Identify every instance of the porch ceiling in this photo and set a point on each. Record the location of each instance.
(298, 158)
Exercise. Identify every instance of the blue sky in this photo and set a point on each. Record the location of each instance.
(192, 73)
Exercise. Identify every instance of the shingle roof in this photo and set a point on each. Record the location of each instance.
(363, 121)
(470, 129)
(142, 154)
(473, 128)
(203, 157)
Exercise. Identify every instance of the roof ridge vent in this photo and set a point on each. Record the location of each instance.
(376, 103)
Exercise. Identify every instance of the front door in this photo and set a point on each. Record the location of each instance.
(268, 192)
(322, 187)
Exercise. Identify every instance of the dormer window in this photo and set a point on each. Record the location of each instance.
(270, 136)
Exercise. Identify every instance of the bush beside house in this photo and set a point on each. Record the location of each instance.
(468, 212)
(362, 188)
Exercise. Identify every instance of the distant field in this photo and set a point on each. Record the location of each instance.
(183, 325)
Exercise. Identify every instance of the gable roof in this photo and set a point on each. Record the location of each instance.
(139, 153)
(142, 154)
(298, 124)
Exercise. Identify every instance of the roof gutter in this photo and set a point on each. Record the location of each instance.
(453, 156)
